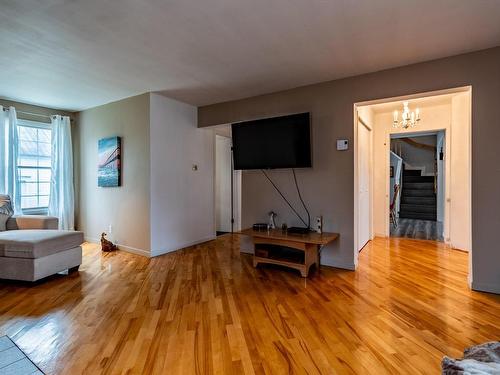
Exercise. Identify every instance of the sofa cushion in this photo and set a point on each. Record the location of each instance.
(37, 243)
(32, 222)
(6, 211)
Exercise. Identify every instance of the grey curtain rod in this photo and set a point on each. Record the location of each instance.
(27, 113)
(33, 114)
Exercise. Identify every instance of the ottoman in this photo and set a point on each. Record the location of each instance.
(32, 254)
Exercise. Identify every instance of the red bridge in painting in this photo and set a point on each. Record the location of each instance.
(114, 158)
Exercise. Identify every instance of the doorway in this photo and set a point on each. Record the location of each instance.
(227, 184)
(414, 181)
(445, 118)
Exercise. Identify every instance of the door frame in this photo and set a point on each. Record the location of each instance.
(358, 121)
(220, 131)
(447, 172)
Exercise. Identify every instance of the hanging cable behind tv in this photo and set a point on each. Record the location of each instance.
(294, 230)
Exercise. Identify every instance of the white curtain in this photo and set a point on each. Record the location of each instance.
(62, 199)
(3, 151)
(9, 181)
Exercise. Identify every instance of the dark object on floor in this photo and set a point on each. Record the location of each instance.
(479, 359)
(106, 245)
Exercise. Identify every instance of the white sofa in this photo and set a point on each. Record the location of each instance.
(33, 248)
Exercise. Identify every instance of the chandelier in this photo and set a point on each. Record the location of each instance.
(408, 118)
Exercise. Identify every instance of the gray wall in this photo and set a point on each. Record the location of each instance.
(126, 208)
(328, 187)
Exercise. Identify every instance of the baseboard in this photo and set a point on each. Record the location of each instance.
(490, 288)
(128, 249)
(155, 253)
(343, 264)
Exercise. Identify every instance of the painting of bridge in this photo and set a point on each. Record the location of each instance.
(109, 168)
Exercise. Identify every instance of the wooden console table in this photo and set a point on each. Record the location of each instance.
(310, 244)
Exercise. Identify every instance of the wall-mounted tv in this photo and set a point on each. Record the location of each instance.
(278, 142)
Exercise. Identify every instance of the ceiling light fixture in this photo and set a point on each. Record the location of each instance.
(408, 118)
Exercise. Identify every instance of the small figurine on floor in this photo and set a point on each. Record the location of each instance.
(107, 245)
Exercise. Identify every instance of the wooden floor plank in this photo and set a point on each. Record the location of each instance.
(206, 310)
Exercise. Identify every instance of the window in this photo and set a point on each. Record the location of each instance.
(34, 161)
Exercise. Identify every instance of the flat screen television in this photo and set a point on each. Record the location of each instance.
(278, 142)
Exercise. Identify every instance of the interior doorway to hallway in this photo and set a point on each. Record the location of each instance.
(445, 119)
(416, 182)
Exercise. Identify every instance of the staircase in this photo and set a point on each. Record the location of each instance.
(418, 199)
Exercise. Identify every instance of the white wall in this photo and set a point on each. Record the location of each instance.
(182, 209)
(460, 206)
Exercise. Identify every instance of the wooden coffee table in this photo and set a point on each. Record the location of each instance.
(310, 244)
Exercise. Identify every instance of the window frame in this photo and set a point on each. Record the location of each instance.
(39, 125)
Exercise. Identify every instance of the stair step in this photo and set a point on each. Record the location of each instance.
(417, 208)
(407, 179)
(417, 215)
(426, 201)
(418, 193)
(412, 172)
(419, 185)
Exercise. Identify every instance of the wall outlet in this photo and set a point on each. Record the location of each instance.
(319, 224)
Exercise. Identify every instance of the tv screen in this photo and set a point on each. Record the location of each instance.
(278, 142)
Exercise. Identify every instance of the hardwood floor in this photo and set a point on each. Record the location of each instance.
(206, 310)
(419, 229)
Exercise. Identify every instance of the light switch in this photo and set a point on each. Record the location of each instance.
(342, 144)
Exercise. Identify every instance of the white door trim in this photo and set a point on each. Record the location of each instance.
(358, 121)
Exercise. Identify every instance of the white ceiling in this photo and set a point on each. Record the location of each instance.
(76, 54)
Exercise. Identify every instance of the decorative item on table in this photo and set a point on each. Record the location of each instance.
(284, 227)
(106, 245)
(260, 226)
(109, 168)
(272, 216)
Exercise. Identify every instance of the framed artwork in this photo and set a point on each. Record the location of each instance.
(109, 156)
